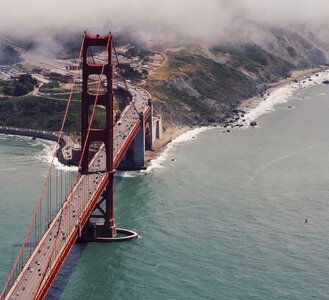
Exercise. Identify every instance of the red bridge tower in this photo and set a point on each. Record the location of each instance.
(105, 135)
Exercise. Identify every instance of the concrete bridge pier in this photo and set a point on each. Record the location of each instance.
(97, 232)
(138, 145)
(149, 134)
(135, 155)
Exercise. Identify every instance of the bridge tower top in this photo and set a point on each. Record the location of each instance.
(104, 70)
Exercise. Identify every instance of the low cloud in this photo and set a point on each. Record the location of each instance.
(205, 20)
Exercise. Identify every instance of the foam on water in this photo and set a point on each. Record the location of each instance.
(127, 174)
(282, 95)
(45, 150)
(18, 137)
(278, 96)
(159, 161)
(46, 155)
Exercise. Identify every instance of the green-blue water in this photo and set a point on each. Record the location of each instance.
(224, 220)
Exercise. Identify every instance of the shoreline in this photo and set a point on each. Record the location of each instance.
(245, 109)
(297, 75)
(66, 154)
(246, 106)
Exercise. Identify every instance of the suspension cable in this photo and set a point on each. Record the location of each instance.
(117, 59)
(47, 178)
(70, 196)
(123, 79)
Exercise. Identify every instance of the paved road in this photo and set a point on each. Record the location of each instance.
(66, 223)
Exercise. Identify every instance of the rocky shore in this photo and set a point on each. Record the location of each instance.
(236, 117)
(68, 152)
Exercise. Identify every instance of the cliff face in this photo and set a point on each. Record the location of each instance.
(200, 85)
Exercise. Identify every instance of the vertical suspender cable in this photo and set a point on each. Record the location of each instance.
(68, 200)
(10, 278)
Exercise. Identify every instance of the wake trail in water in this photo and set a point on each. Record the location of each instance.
(177, 209)
(8, 170)
(291, 154)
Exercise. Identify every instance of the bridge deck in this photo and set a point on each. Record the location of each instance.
(73, 215)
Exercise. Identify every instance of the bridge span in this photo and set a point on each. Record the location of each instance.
(34, 272)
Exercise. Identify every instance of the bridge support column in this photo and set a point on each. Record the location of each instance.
(139, 146)
(105, 231)
(135, 156)
(109, 218)
(151, 138)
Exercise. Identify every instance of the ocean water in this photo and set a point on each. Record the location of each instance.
(220, 215)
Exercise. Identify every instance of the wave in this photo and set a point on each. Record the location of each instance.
(127, 174)
(159, 161)
(278, 96)
(46, 155)
(4, 136)
(283, 94)
(190, 135)
(44, 150)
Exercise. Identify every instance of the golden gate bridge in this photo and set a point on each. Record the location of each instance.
(67, 206)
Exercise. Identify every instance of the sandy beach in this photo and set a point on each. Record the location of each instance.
(298, 78)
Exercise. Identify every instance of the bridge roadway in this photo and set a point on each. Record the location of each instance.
(35, 276)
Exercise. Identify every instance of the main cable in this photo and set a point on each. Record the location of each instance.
(47, 178)
(70, 196)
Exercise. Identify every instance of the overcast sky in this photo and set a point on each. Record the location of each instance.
(210, 19)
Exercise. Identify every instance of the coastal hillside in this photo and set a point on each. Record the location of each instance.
(191, 82)
(201, 85)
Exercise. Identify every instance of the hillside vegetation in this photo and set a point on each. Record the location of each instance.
(201, 85)
(24, 85)
(201, 88)
(38, 113)
(194, 85)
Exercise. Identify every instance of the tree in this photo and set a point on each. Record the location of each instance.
(27, 78)
(20, 90)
